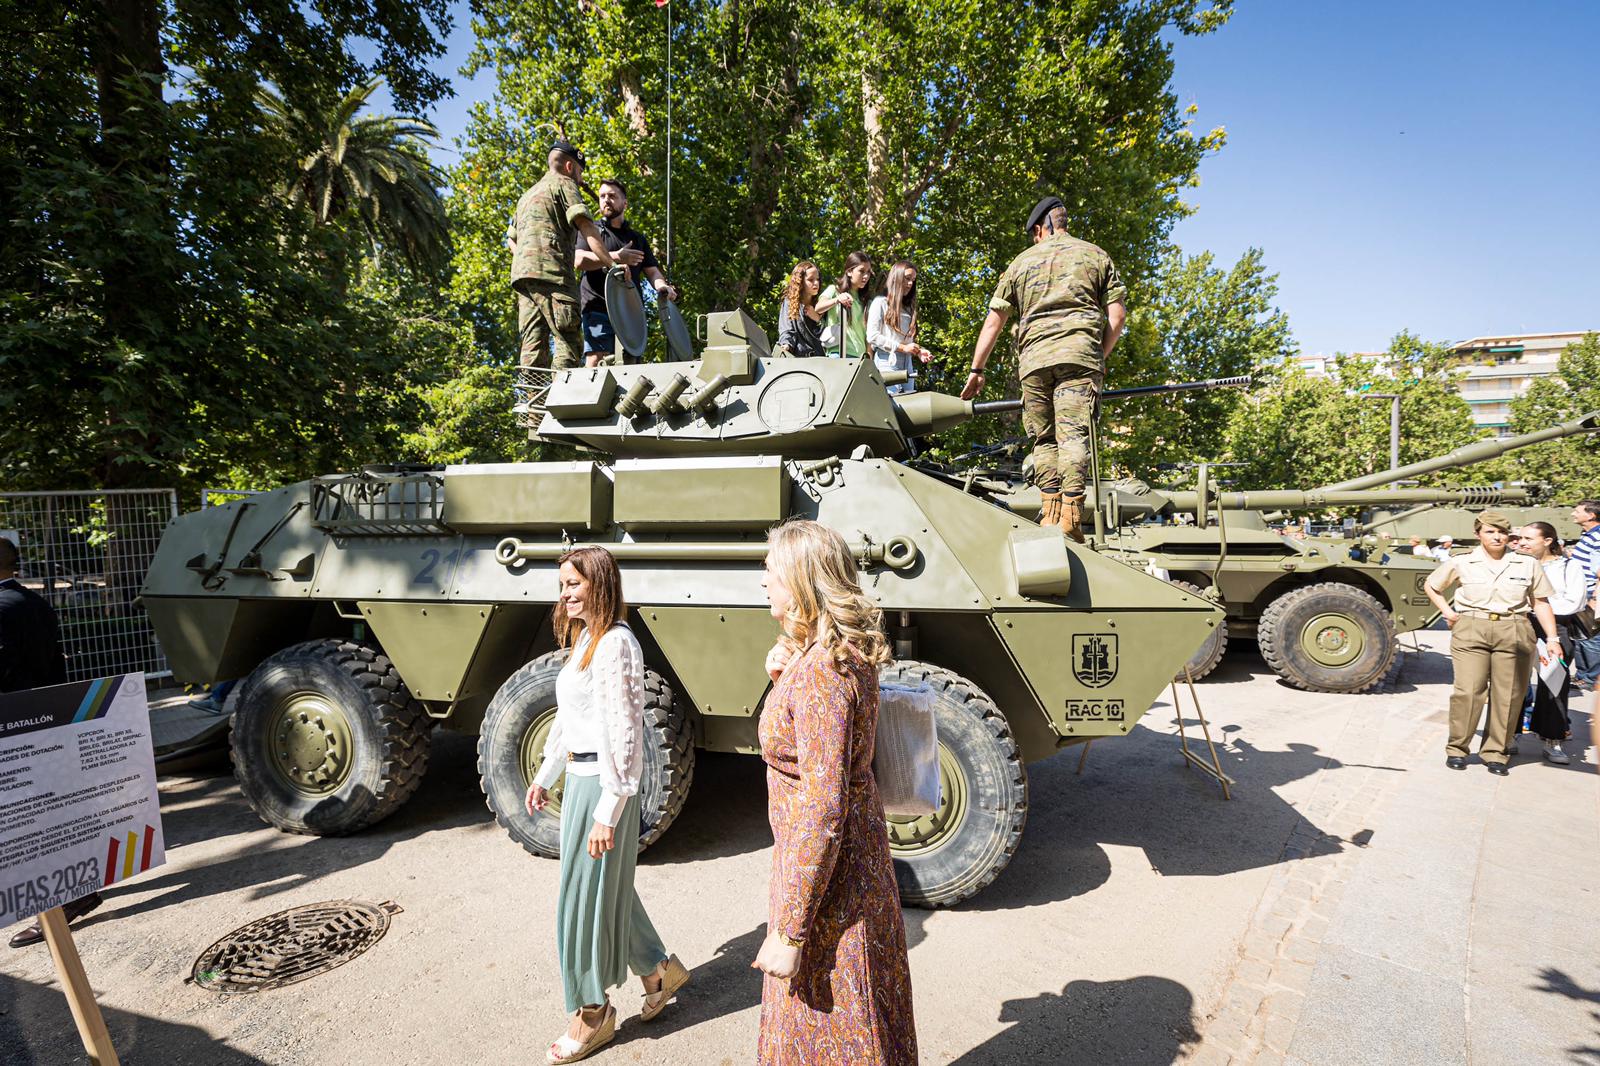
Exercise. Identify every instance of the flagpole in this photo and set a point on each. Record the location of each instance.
(669, 134)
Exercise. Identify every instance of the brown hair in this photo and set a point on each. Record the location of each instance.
(797, 281)
(851, 261)
(902, 297)
(606, 606)
(815, 565)
(1548, 532)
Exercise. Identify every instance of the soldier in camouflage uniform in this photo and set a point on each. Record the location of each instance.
(1072, 307)
(543, 238)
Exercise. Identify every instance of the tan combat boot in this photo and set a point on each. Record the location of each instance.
(1050, 509)
(1072, 517)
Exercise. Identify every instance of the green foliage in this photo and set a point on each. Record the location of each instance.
(982, 106)
(1571, 466)
(373, 168)
(1303, 431)
(1198, 321)
(165, 318)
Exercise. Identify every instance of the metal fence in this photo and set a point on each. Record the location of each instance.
(87, 553)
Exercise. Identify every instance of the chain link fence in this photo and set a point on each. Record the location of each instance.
(87, 553)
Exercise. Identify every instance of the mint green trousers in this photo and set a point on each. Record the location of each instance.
(602, 930)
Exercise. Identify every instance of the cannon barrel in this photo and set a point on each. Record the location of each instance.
(1467, 454)
(923, 413)
(1292, 500)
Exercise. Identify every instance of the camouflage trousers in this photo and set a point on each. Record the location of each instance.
(546, 313)
(1057, 407)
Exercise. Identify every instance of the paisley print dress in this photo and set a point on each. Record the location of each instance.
(832, 879)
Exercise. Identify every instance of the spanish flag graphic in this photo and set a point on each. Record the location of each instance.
(135, 857)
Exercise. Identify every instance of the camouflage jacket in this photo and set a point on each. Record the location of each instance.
(1059, 289)
(545, 232)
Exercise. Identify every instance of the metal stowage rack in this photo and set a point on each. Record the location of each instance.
(379, 503)
(530, 389)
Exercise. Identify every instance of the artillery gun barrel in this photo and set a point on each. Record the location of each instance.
(993, 407)
(1292, 500)
(1468, 454)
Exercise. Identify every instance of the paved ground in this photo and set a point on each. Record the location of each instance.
(1356, 902)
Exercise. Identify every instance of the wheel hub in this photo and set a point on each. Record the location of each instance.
(1332, 639)
(532, 755)
(917, 836)
(310, 745)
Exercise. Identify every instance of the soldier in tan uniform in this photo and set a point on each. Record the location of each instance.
(543, 240)
(1491, 644)
(1072, 306)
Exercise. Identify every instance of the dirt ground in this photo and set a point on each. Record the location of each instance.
(1111, 938)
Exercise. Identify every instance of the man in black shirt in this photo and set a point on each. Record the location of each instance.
(30, 657)
(628, 247)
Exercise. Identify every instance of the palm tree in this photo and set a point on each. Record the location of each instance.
(374, 167)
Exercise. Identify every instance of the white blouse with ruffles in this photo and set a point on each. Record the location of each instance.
(600, 709)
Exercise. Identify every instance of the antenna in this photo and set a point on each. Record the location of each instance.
(669, 134)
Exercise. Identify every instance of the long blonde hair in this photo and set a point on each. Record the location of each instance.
(900, 292)
(828, 608)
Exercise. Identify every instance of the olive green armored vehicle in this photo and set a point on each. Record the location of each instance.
(1324, 611)
(361, 609)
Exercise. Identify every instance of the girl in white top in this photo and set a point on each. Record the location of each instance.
(598, 738)
(892, 326)
(1567, 578)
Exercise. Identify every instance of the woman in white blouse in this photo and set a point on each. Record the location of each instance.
(1566, 575)
(892, 326)
(598, 739)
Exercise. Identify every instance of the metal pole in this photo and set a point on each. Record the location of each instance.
(669, 136)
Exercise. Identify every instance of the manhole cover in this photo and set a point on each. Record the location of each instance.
(292, 945)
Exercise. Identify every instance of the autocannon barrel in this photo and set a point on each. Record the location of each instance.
(993, 407)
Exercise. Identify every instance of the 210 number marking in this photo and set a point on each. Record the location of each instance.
(431, 558)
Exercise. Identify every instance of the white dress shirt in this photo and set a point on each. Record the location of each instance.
(884, 338)
(600, 709)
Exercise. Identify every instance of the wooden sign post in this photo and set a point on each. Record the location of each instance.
(80, 997)
(90, 818)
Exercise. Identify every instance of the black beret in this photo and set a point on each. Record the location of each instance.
(566, 147)
(1042, 208)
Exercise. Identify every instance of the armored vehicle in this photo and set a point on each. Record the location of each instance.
(360, 609)
(1324, 611)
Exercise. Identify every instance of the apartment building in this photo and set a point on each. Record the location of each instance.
(1501, 368)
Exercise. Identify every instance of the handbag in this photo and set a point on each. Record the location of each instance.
(906, 761)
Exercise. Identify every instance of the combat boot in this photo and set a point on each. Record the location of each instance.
(1050, 509)
(1071, 508)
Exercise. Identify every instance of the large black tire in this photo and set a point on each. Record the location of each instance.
(1329, 637)
(955, 853)
(338, 702)
(1209, 654)
(510, 749)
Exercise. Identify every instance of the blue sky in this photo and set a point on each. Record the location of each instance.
(1403, 165)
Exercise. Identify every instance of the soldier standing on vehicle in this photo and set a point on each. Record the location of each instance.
(1491, 644)
(543, 241)
(1072, 307)
(630, 248)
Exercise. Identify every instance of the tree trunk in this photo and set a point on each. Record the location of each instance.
(877, 147)
(633, 102)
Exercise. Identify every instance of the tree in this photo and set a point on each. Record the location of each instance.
(374, 168)
(1302, 431)
(784, 149)
(163, 317)
(1570, 466)
(1197, 321)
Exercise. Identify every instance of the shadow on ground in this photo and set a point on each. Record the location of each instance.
(33, 1015)
(1556, 982)
(1141, 1021)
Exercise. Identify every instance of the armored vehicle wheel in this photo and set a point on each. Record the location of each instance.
(326, 739)
(1329, 637)
(961, 848)
(511, 747)
(1209, 654)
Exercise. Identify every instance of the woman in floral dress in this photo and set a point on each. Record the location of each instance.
(838, 986)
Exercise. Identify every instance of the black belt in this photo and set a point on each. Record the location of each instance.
(582, 756)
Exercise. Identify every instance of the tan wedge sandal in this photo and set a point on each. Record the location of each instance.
(566, 1049)
(674, 975)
